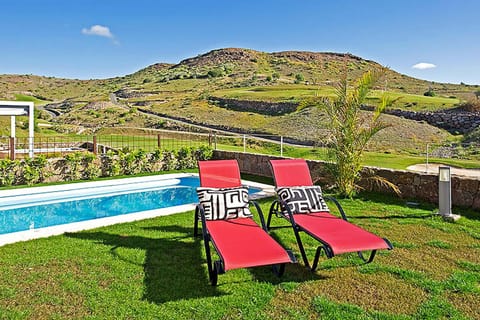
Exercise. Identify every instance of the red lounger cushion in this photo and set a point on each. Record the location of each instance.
(243, 244)
(219, 174)
(341, 235)
(291, 173)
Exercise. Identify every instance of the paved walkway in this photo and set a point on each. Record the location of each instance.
(433, 168)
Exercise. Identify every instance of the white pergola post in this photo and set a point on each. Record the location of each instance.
(19, 108)
(31, 125)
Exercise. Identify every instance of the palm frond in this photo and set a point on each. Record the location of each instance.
(382, 183)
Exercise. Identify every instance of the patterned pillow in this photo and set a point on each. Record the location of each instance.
(225, 203)
(303, 199)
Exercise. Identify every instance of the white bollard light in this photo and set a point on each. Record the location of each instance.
(445, 194)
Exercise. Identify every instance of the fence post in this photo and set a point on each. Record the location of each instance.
(210, 139)
(244, 143)
(159, 141)
(281, 146)
(426, 165)
(12, 148)
(95, 145)
(215, 140)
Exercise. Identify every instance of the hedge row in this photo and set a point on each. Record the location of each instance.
(87, 166)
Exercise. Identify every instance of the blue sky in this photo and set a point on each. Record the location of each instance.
(91, 39)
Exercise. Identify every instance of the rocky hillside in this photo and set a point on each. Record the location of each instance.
(191, 91)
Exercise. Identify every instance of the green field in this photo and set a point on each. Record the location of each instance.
(296, 93)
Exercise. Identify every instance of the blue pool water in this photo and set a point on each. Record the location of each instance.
(51, 214)
(57, 213)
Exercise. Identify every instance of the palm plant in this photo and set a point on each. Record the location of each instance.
(350, 130)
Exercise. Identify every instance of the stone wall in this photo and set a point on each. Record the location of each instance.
(262, 107)
(454, 120)
(413, 185)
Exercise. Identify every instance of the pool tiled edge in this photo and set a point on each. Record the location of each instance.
(89, 224)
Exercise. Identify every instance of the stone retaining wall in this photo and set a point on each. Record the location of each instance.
(413, 185)
(262, 107)
(454, 120)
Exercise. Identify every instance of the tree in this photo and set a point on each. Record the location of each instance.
(349, 131)
(429, 93)
(215, 72)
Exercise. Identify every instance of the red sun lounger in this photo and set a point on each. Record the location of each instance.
(228, 224)
(303, 205)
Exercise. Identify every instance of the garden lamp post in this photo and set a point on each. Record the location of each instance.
(445, 194)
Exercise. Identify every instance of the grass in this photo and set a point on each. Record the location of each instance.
(154, 269)
(296, 93)
(36, 101)
(371, 158)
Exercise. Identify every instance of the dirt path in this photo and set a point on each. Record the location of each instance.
(433, 168)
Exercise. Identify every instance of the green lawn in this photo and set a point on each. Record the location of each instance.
(375, 159)
(36, 101)
(154, 269)
(296, 93)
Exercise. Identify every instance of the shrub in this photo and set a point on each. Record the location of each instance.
(168, 160)
(299, 78)
(110, 164)
(72, 166)
(127, 161)
(215, 73)
(154, 161)
(91, 169)
(185, 159)
(140, 161)
(33, 170)
(429, 93)
(228, 67)
(203, 153)
(8, 171)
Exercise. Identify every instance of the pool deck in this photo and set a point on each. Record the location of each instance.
(74, 190)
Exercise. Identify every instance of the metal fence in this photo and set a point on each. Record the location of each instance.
(419, 152)
(54, 146)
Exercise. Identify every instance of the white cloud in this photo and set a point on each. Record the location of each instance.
(424, 65)
(98, 30)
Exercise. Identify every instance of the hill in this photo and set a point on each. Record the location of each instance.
(190, 90)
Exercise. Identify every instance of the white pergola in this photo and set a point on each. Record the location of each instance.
(19, 108)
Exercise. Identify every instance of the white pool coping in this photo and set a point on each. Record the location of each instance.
(22, 193)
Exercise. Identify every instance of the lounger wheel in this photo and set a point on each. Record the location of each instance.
(279, 269)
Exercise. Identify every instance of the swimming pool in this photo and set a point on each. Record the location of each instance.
(30, 213)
